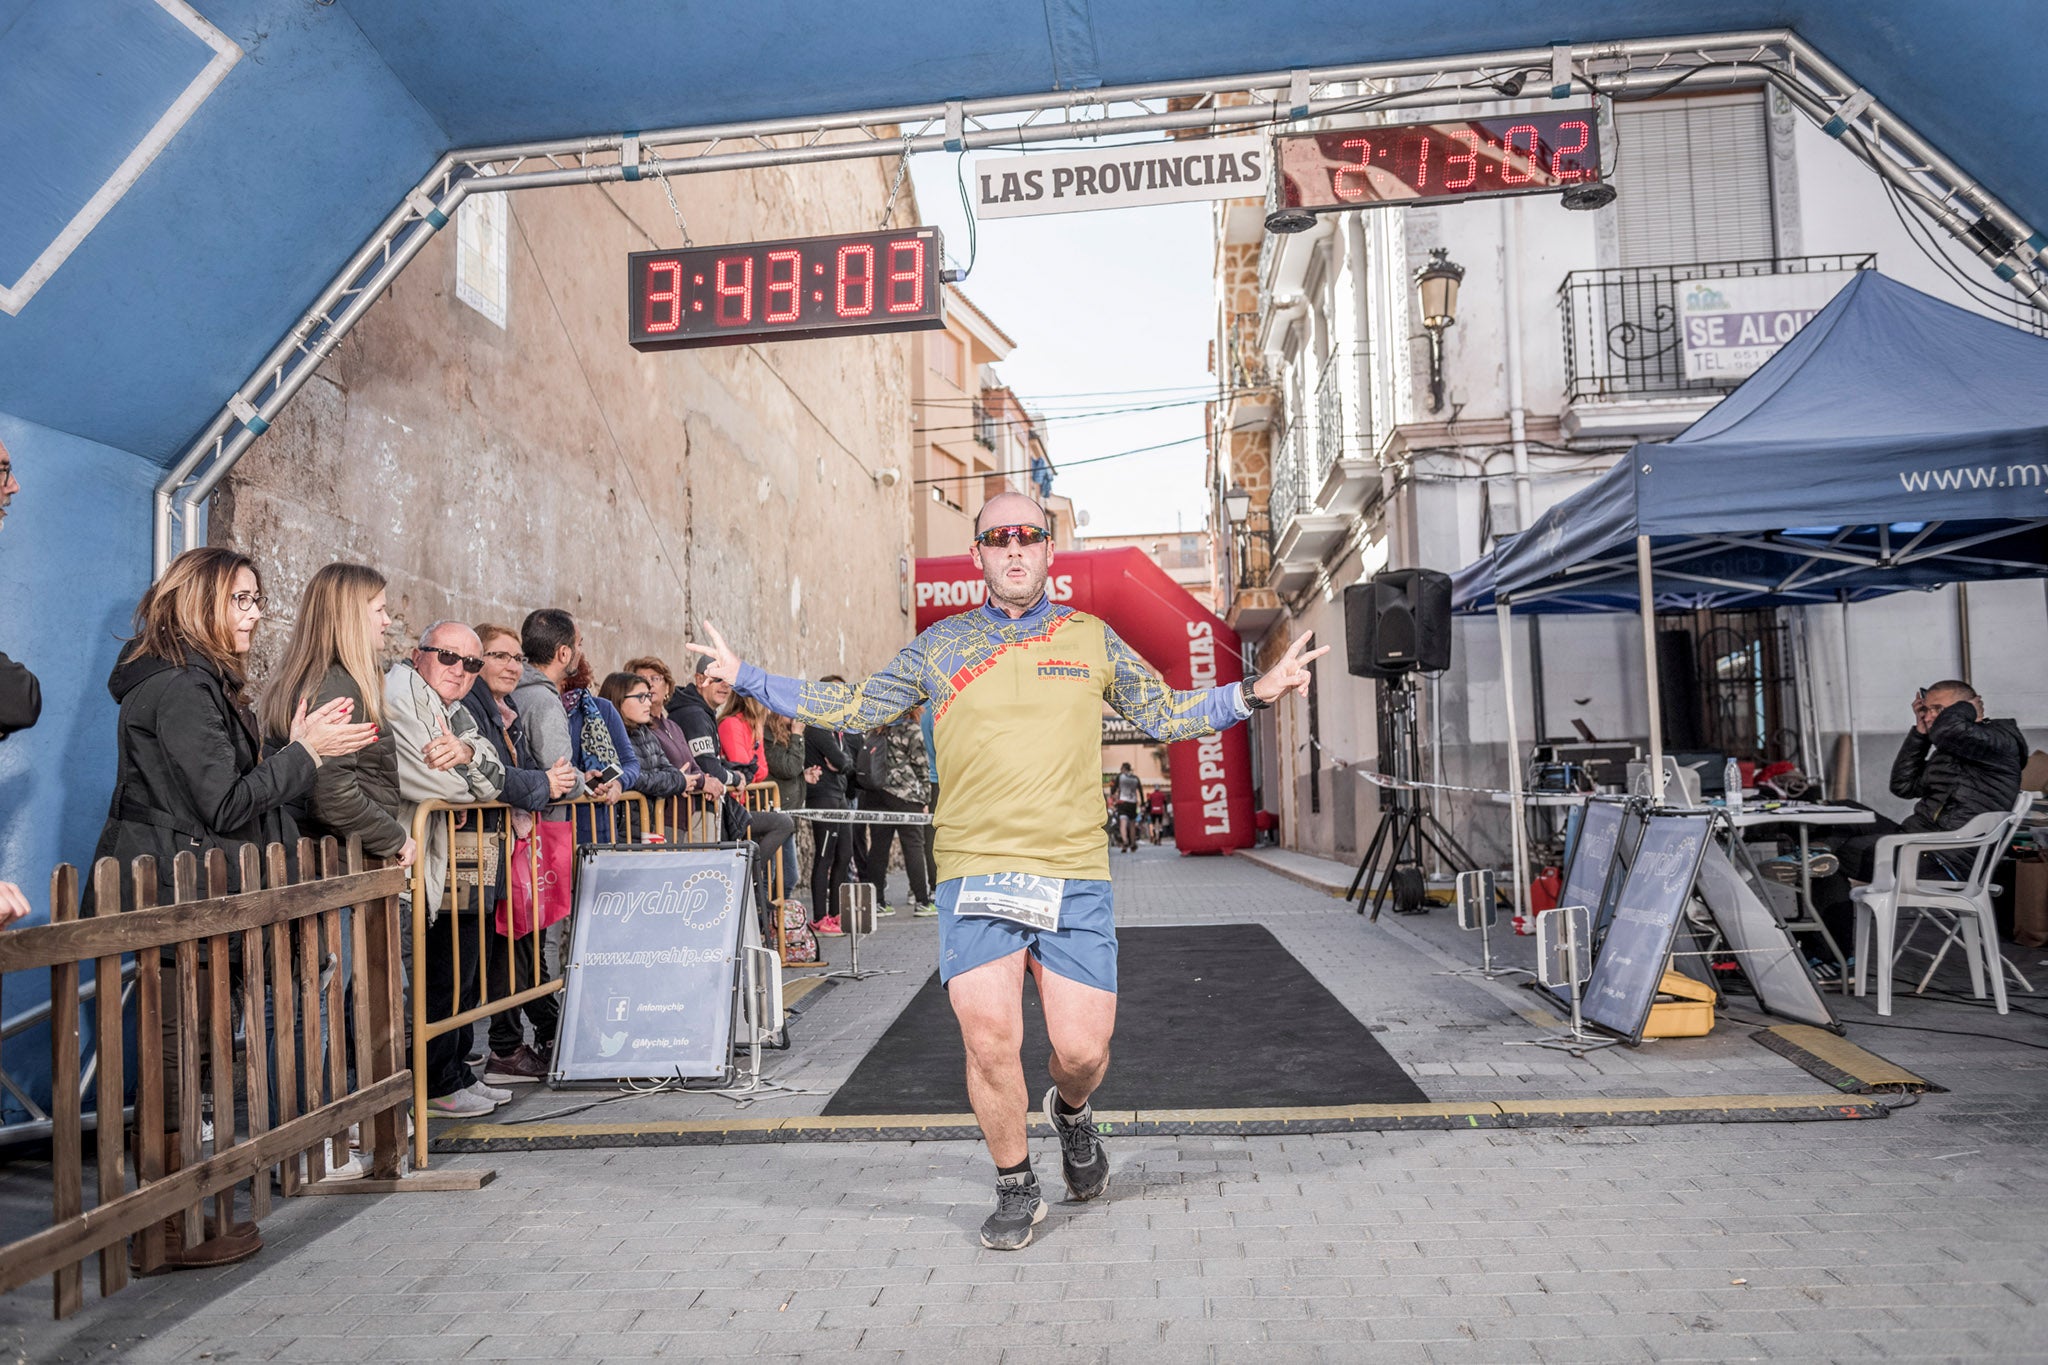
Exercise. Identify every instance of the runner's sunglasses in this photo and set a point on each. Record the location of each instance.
(995, 537)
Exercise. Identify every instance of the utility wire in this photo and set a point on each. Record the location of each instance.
(1075, 464)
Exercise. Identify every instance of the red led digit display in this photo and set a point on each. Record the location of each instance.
(1457, 159)
(814, 286)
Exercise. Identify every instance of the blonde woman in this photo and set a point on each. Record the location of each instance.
(335, 655)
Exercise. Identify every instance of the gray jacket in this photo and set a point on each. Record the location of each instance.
(539, 704)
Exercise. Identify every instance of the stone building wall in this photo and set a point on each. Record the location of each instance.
(490, 470)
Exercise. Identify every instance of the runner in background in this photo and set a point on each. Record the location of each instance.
(1017, 686)
(1155, 814)
(1129, 792)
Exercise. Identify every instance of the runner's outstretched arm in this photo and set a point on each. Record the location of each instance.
(876, 700)
(1161, 712)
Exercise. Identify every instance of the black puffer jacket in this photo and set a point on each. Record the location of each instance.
(825, 750)
(191, 775)
(21, 697)
(1960, 769)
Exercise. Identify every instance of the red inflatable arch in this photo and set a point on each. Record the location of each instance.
(1189, 645)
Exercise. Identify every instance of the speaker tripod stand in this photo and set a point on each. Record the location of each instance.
(1392, 865)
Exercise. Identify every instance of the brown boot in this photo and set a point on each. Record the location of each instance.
(238, 1242)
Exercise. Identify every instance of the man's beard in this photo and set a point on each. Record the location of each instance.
(999, 587)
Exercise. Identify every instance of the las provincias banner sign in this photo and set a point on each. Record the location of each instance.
(1121, 177)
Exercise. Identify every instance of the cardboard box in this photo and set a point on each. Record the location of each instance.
(2030, 899)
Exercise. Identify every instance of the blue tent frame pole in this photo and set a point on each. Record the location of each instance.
(1505, 615)
(1651, 691)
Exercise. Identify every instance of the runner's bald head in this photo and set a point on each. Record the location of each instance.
(1011, 509)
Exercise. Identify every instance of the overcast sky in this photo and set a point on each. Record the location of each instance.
(1108, 310)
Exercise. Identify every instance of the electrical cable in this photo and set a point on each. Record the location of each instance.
(1955, 1033)
(966, 207)
(1075, 464)
(2007, 306)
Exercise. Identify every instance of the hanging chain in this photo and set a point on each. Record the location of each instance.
(895, 186)
(673, 207)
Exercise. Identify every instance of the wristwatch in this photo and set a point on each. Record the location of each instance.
(1249, 697)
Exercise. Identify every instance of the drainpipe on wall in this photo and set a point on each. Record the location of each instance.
(1511, 322)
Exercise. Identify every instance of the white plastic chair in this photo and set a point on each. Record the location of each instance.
(1959, 907)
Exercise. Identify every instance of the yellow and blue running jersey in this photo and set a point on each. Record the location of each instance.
(1017, 708)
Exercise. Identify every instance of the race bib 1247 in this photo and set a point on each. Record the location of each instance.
(1022, 897)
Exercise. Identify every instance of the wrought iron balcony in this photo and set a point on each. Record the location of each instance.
(1621, 337)
(984, 425)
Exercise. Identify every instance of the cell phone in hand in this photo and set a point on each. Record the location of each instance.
(609, 773)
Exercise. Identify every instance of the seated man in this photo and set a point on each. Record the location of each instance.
(1954, 764)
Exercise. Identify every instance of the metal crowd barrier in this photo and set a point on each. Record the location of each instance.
(477, 850)
(287, 928)
(695, 820)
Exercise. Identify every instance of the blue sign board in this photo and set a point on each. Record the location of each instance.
(653, 963)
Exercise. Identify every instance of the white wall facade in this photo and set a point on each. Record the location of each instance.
(1339, 300)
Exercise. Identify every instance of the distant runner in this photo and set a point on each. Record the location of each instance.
(1018, 685)
(1129, 792)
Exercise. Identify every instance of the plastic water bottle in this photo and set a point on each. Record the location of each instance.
(1731, 787)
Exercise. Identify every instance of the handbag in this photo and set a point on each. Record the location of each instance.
(552, 892)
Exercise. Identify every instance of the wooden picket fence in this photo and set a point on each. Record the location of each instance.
(300, 1088)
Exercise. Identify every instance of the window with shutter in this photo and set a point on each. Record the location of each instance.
(1695, 181)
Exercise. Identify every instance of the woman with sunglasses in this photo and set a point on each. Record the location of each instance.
(334, 656)
(193, 776)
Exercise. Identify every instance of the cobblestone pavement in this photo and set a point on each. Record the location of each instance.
(1923, 1236)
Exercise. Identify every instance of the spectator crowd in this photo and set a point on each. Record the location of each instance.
(336, 743)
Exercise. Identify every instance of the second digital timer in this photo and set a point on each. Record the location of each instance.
(1462, 159)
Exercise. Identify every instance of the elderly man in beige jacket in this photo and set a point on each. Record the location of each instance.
(441, 757)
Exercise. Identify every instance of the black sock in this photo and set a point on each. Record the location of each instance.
(1063, 1109)
(1021, 1168)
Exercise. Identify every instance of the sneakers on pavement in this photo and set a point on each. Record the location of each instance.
(460, 1105)
(927, 910)
(828, 927)
(489, 1092)
(1019, 1209)
(1083, 1162)
(881, 910)
(523, 1066)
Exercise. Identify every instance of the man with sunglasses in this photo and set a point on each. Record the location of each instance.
(1017, 686)
(443, 757)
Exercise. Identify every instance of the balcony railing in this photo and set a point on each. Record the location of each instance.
(1621, 336)
(1292, 493)
(1341, 425)
(984, 425)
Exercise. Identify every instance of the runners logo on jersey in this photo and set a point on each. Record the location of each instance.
(1065, 668)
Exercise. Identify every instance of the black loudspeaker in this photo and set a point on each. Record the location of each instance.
(1399, 621)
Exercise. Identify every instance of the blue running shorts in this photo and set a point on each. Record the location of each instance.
(1083, 949)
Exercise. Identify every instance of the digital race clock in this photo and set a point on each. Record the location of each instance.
(1406, 163)
(770, 291)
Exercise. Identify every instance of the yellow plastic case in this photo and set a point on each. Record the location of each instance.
(1691, 1015)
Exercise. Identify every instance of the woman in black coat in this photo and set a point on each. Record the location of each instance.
(192, 775)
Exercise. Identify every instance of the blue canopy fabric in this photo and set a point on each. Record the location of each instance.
(1896, 442)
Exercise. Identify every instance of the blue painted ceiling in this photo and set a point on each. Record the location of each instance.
(338, 108)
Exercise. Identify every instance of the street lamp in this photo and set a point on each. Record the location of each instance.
(1437, 284)
(1237, 504)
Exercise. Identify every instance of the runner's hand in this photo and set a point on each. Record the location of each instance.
(725, 664)
(1291, 673)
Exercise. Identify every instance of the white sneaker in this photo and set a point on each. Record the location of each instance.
(489, 1092)
(463, 1104)
(352, 1169)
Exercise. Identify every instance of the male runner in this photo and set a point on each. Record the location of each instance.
(1129, 792)
(1017, 685)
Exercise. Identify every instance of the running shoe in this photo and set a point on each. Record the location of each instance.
(828, 927)
(925, 910)
(1019, 1210)
(885, 910)
(460, 1105)
(1083, 1162)
(489, 1092)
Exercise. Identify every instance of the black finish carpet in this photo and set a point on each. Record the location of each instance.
(1208, 1017)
